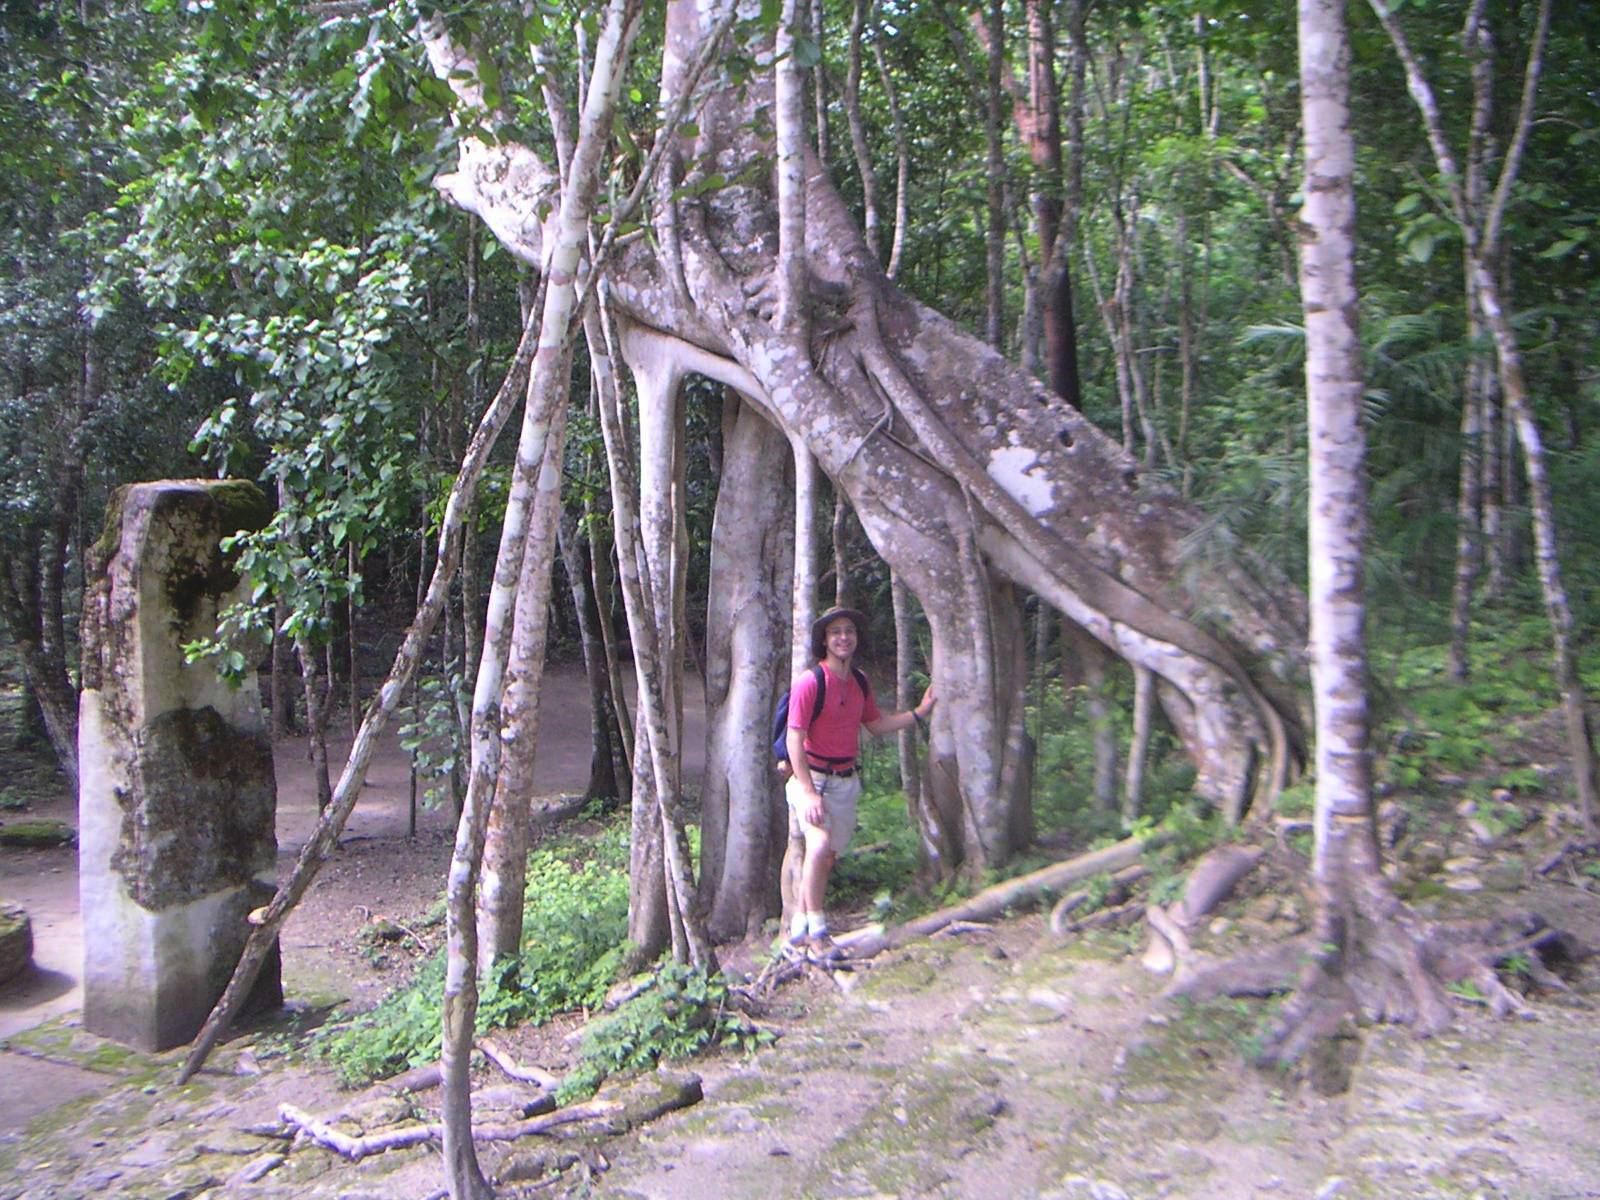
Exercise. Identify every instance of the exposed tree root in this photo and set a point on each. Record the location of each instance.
(521, 1073)
(1376, 960)
(1107, 918)
(1568, 852)
(1061, 922)
(1210, 883)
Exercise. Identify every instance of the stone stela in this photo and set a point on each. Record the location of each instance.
(177, 842)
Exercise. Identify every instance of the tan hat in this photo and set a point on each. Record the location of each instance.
(819, 641)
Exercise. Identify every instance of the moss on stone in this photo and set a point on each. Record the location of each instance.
(105, 546)
(36, 833)
(241, 506)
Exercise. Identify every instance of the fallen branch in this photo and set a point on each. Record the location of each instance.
(992, 903)
(355, 1148)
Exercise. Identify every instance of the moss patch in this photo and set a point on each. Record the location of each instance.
(37, 833)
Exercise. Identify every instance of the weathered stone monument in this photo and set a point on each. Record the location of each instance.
(177, 797)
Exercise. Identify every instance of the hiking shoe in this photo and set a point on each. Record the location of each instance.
(823, 949)
(796, 949)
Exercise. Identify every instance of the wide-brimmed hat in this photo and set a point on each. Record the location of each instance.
(819, 641)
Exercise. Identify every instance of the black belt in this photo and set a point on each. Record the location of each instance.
(836, 772)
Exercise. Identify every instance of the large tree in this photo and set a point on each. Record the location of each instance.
(968, 476)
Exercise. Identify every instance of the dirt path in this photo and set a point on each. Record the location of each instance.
(996, 1064)
(376, 869)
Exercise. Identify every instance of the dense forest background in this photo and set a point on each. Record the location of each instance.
(224, 254)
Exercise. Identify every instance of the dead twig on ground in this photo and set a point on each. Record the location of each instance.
(356, 1147)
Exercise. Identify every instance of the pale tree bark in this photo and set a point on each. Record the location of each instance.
(566, 239)
(505, 850)
(904, 657)
(1367, 953)
(858, 132)
(807, 568)
(840, 541)
(1481, 231)
(902, 158)
(995, 168)
(819, 80)
(654, 606)
(1144, 705)
(1336, 519)
(904, 413)
(1469, 492)
(743, 825)
(471, 601)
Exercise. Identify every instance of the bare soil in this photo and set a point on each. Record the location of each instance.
(1004, 1062)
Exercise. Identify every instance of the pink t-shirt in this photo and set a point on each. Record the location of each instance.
(834, 738)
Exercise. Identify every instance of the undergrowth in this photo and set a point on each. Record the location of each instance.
(681, 1012)
(574, 937)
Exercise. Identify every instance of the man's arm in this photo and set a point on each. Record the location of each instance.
(802, 775)
(895, 722)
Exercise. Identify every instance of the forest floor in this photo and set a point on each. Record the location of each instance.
(1000, 1062)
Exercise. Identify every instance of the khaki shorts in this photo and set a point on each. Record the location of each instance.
(839, 795)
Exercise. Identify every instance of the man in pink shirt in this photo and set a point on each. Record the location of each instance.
(825, 785)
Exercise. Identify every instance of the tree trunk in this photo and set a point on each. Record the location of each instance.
(1043, 135)
(282, 695)
(1144, 704)
(904, 656)
(743, 829)
(1092, 662)
(1481, 232)
(995, 168)
(547, 393)
(841, 551)
(607, 765)
(505, 849)
(1346, 847)
(958, 466)
(858, 132)
(902, 158)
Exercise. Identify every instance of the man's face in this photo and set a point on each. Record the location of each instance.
(840, 634)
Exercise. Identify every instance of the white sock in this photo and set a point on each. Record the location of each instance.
(798, 926)
(816, 924)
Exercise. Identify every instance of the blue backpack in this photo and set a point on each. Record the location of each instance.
(780, 718)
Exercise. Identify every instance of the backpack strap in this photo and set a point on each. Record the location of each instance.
(820, 674)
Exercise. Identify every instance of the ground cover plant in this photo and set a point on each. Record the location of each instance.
(574, 941)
